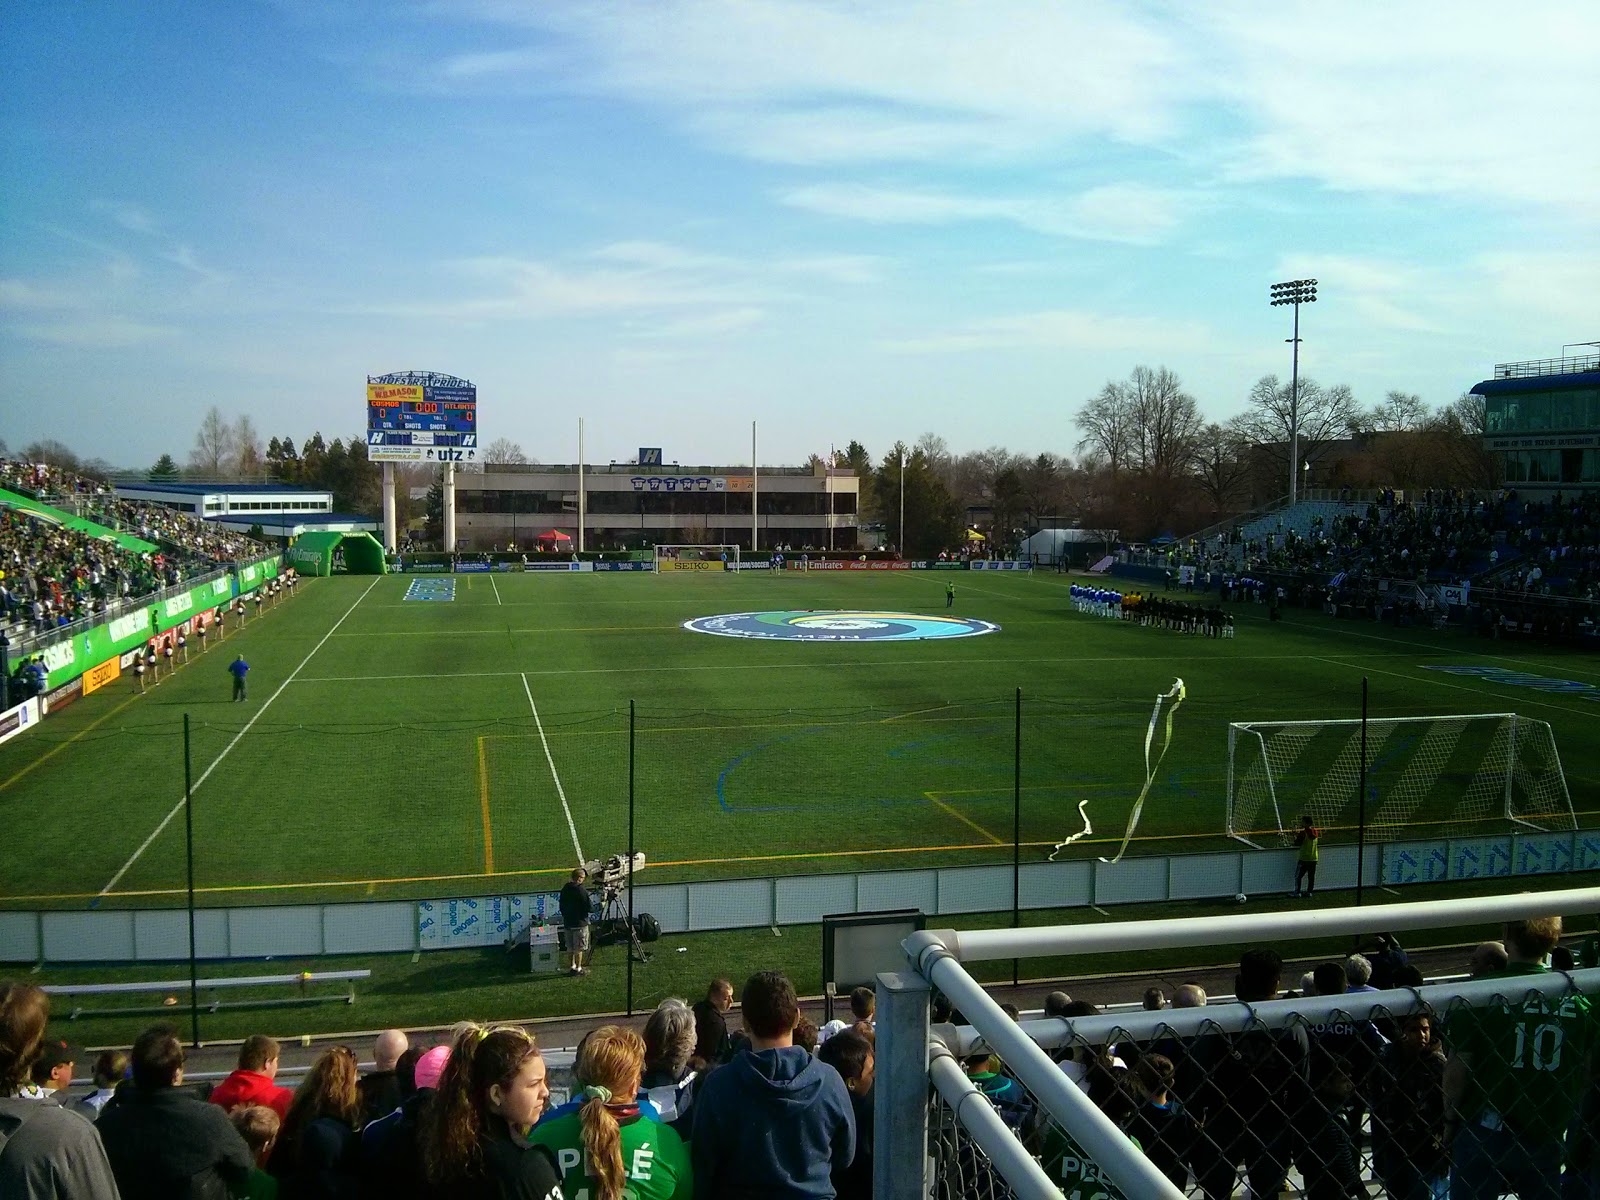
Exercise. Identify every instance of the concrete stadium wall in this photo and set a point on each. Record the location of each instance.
(382, 927)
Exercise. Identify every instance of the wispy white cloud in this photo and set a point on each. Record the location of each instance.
(710, 325)
(630, 278)
(1115, 212)
(1063, 329)
(1420, 98)
(850, 269)
(95, 333)
(1476, 99)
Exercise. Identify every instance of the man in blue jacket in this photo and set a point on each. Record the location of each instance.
(774, 1122)
(238, 668)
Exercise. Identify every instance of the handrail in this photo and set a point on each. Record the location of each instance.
(980, 945)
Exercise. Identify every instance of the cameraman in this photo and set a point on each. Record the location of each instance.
(576, 910)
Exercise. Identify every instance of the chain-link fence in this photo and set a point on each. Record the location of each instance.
(324, 808)
(1467, 1088)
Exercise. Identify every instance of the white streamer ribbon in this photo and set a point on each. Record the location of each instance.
(1177, 694)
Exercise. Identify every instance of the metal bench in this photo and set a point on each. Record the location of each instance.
(176, 987)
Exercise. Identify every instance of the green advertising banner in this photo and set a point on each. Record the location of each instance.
(67, 659)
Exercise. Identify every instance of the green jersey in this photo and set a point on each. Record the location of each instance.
(1073, 1171)
(654, 1158)
(1530, 1057)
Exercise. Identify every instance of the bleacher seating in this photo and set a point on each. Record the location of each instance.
(94, 553)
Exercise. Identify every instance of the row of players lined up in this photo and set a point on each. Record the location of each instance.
(1153, 610)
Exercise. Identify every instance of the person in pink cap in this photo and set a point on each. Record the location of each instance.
(391, 1146)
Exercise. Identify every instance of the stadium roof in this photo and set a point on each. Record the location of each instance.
(211, 489)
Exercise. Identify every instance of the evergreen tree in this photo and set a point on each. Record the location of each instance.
(165, 469)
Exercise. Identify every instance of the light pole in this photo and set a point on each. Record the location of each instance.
(1295, 292)
(902, 546)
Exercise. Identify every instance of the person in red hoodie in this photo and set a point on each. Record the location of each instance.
(252, 1082)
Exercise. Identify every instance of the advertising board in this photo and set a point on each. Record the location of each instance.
(19, 719)
(58, 698)
(98, 677)
(422, 423)
(832, 564)
(981, 564)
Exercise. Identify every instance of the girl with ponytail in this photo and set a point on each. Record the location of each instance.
(491, 1093)
(605, 1145)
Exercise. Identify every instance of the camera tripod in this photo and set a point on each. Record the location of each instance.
(614, 921)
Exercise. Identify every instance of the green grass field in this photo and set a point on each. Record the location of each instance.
(395, 747)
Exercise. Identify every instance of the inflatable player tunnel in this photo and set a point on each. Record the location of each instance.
(313, 553)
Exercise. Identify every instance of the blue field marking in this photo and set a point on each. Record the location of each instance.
(431, 589)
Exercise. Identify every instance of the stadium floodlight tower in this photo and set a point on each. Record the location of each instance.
(1295, 292)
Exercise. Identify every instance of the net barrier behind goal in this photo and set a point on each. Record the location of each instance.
(1451, 776)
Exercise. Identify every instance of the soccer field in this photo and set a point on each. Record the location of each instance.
(432, 747)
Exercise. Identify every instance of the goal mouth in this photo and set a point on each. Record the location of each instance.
(1395, 777)
(705, 557)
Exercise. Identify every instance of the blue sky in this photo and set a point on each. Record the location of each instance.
(841, 220)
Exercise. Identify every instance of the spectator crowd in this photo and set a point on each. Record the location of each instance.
(52, 575)
(1422, 1105)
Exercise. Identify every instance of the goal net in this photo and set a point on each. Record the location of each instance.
(1426, 777)
(697, 558)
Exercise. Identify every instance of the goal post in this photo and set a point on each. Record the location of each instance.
(697, 558)
(1438, 776)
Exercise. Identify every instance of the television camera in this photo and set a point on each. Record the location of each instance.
(609, 876)
(609, 879)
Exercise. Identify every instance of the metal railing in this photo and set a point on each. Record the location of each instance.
(1333, 1091)
(1535, 367)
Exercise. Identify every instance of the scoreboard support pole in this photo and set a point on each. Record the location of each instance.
(391, 534)
(449, 508)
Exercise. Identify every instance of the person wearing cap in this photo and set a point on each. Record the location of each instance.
(52, 1070)
(48, 1150)
(391, 1146)
(238, 668)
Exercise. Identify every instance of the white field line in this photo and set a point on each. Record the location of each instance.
(496, 588)
(178, 807)
(874, 665)
(560, 791)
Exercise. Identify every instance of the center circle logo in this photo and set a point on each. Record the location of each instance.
(832, 625)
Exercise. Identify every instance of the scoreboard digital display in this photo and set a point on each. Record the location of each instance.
(414, 408)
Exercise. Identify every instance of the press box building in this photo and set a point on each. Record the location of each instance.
(626, 506)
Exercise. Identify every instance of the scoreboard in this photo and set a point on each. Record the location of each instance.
(421, 423)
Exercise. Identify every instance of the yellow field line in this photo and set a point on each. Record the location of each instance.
(49, 754)
(483, 802)
(734, 728)
(922, 711)
(962, 817)
(683, 862)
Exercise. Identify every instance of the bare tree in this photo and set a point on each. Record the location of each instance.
(51, 452)
(1325, 415)
(502, 451)
(248, 461)
(1460, 429)
(1166, 422)
(1107, 425)
(213, 453)
(1222, 467)
(1400, 412)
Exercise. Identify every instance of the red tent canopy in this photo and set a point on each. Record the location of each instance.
(552, 535)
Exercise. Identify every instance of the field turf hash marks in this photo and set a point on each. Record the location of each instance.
(440, 589)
